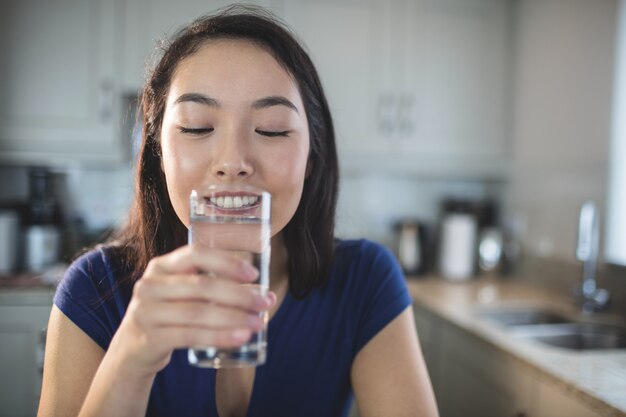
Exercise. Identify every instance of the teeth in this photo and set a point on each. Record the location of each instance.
(234, 201)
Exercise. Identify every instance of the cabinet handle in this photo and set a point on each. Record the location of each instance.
(396, 114)
(406, 109)
(386, 114)
(106, 100)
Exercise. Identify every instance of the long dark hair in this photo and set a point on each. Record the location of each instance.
(153, 227)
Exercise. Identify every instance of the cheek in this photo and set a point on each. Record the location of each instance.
(289, 166)
(289, 177)
(180, 172)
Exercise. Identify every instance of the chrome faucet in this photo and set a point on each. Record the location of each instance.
(593, 298)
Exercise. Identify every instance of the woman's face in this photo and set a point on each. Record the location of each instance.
(234, 116)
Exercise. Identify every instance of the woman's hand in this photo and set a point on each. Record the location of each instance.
(177, 305)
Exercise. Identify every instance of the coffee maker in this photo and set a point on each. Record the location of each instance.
(462, 223)
(43, 222)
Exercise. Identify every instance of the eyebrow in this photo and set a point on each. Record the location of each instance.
(261, 103)
(197, 98)
(274, 101)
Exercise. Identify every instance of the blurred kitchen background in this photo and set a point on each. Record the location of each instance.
(470, 134)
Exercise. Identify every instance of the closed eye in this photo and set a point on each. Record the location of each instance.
(195, 131)
(273, 134)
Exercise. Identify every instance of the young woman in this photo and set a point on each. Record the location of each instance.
(234, 100)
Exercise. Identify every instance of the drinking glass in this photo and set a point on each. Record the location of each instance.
(236, 219)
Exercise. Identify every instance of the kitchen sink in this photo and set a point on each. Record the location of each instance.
(554, 329)
(575, 336)
(522, 316)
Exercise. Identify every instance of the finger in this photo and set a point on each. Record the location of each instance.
(185, 337)
(202, 315)
(195, 258)
(200, 287)
(271, 298)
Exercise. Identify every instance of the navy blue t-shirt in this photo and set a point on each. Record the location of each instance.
(311, 342)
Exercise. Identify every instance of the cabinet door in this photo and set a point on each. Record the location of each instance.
(477, 380)
(467, 394)
(147, 22)
(455, 69)
(58, 81)
(346, 41)
(429, 334)
(551, 401)
(20, 358)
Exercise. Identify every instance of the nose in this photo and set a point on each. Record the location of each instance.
(231, 158)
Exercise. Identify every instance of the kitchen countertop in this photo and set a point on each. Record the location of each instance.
(25, 291)
(596, 378)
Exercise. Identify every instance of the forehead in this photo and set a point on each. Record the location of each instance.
(227, 67)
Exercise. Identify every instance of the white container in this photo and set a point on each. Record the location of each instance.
(42, 247)
(457, 251)
(9, 226)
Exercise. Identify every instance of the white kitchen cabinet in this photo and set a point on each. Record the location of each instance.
(23, 318)
(148, 22)
(58, 82)
(417, 86)
(455, 72)
(414, 86)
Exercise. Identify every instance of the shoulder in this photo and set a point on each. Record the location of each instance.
(95, 259)
(373, 287)
(92, 294)
(95, 262)
(364, 253)
(361, 266)
(94, 273)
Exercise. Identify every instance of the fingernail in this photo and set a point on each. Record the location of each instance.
(270, 297)
(250, 271)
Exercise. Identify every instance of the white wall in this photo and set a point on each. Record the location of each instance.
(369, 205)
(616, 236)
(562, 118)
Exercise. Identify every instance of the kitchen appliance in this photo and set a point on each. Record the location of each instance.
(42, 247)
(469, 238)
(457, 240)
(411, 246)
(457, 250)
(43, 226)
(9, 241)
(490, 249)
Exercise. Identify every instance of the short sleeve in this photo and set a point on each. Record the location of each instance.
(385, 292)
(89, 296)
